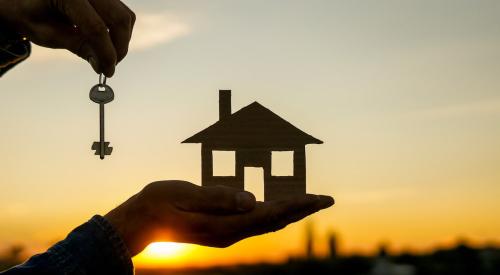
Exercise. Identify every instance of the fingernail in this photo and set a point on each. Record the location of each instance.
(245, 201)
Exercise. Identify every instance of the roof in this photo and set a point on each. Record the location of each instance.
(253, 125)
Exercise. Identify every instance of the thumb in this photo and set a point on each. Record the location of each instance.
(220, 200)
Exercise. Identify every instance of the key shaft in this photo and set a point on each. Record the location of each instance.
(101, 130)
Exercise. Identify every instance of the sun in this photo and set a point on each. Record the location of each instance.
(161, 253)
(163, 249)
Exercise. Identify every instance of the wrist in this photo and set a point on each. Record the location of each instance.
(120, 250)
(123, 219)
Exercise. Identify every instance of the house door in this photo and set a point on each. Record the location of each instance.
(254, 181)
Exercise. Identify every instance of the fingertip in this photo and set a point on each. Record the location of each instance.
(245, 201)
(121, 55)
(108, 66)
(108, 70)
(107, 62)
(326, 201)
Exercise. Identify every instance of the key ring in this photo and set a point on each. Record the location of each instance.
(102, 79)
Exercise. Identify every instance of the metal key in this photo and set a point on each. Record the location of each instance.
(101, 94)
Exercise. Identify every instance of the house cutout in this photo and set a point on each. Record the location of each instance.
(253, 133)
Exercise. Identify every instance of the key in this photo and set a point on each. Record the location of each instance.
(101, 94)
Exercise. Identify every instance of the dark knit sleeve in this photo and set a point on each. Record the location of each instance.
(93, 248)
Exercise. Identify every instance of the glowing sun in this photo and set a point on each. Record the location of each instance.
(163, 250)
(162, 253)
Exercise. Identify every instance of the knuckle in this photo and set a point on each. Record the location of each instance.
(152, 188)
(133, 17)
(122, 19)
(96, 29)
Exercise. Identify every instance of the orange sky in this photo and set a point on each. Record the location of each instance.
(404, 95)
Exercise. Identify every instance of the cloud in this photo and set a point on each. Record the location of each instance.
(151, 30)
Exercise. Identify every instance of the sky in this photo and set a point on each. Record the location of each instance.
(405, 95)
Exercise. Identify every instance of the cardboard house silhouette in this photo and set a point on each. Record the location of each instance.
(253, 133)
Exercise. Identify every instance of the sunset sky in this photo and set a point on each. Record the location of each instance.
(405, 95)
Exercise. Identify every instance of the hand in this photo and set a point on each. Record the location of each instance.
(80, 26)
(178, 211)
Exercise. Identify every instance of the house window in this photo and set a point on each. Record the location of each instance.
(282, 163)
(224, 163)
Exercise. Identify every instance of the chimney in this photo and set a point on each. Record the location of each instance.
(224, 104)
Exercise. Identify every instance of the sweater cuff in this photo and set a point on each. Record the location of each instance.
(117, 243)
(92, 248)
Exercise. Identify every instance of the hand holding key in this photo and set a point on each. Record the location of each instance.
(98, 31)
(101, 94)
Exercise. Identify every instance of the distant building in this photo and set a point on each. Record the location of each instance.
(309, 240)
(384, 266)
(332, 245)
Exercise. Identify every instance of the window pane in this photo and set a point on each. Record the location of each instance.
(282, 163)
(224, 163)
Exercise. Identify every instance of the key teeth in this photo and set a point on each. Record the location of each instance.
(97, 147)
